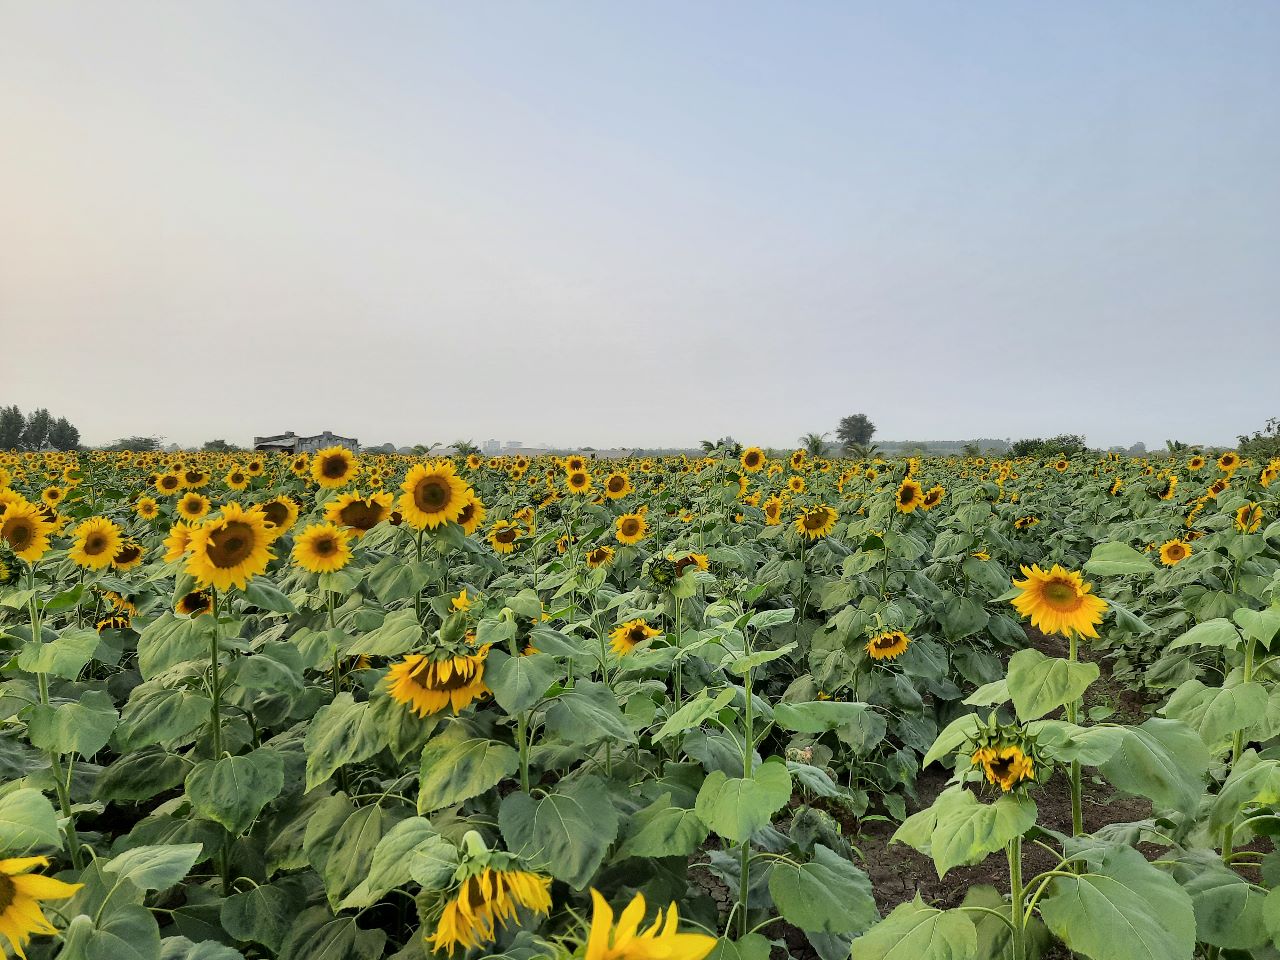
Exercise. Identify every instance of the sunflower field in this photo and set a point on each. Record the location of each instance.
(346, 707)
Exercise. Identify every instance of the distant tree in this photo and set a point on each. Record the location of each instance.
(1064, 444)
(815, 444)
(971, 449)
(64, 436)
(855, 430)
(136, 444)
(730, 446)
(36, 431)
(1026, 447)
(422, 449)
(387, 448)
(465, 447)
(1263, 444)
(12, 423)
(218, 446)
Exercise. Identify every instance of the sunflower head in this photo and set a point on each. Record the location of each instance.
(129, 555)
(888, 645)
(231, 549)
(334, 467)
(322, 548)
(599, 557)
(617, 485)
(1059, 601)
(25, 529)
(752, 459)
(624, 637)
(194, 602)
(358, 514)
(1248, 517)
(20, 896)
(504, 535)
(433, 494)
(97, 541)
(1004, 765)
(627, 940)
(932, 497)
(430, 684)
(816, 522)
(909, 496)
(1173, 552)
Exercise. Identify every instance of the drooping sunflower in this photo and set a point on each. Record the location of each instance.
(194, 602)
(816, 522)
(146, 508)
(1116, 485)
(599, 557)
(504, 535)
(428, 685)
(25, 529)
(933, 496)
(462, 601)
(433, 494)
(1173, 552)
(359, 514)
(627, 941)
(630, 528)
(624, 637)
(686, 560)
(334, 467)
(322, 548)
(1249, 518)
(1059, 601)
(1005, 765)
(752, 459)
(177, 542)
(888, 645)
(20, 896)
(193, 506)
(1167, 488)
(97, 540)
(909, 496)
(1217, 488)
(114, 621)
(617, 485)
(1025, 523)
(230, 549)
(486, 900)
(129, 555)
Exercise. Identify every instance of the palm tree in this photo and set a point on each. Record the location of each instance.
(815, 444)
(862, 451)
(465, 447)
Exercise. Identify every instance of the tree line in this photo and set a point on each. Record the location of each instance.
(37, 430)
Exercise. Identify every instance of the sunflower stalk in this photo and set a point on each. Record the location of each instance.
(1237, 747)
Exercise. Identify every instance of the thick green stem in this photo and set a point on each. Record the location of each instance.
(748, 745)
(522, 737)
(215, 683)
(1237, 747)
(1016, 895)
(1077, 806)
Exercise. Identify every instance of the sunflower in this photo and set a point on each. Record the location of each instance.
(816, 522)
(578, 481)
(429, 685)
(1249, 518)
(1269, 473)
(474, 461)
(888, 645)
(933, 496)
(194, 479)
(116, 621)
(1195, 463)
(503, 536)
(177, 542)
(1173, 552)
(574, 463)
(624, 637)
(1005, 765)
(752, 459)
(322, 548)
(1059, 601)
(631, 528)
(281, 513)
(358, 514)
(25, 529)
(599, 557)
(1115, 488)
(193, 506)
(146, 508)
(433, 494)
(194, 603)
(1229, 462)
(472, 514)
(128, 556)
(236, 479)
(334, 467)
(797, 459)
(795, 484)
(1219, 486)
(1025, 523)
(909, 496)
(628, 942)
(231, 549)
(462, 601)
(1061, 465)
(617, 485)
(168, 483)
(683, 562)
(5, 572)
(53, 495)
(96, 544)
(1167, 491)
(773, 511)
(300, 465)
(21, 893)
(487, 900)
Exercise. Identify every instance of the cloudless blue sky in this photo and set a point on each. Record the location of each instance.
(641, 224)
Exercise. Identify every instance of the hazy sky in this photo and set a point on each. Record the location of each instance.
(641, 223)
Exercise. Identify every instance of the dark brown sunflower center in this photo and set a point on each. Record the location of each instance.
(505, 535)
(95, 544)
(275, 512)
(815, 519)
(630, 527)
(334, 468)
(432, 494)
(1002, 768)
(360, 514)
(617, 484)
(128, 553)
(325, 546)
(231, 545)
(194, 601)
(752, 459)
(194, 477)
(886, 643)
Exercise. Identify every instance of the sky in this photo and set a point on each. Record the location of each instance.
(627, 224)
